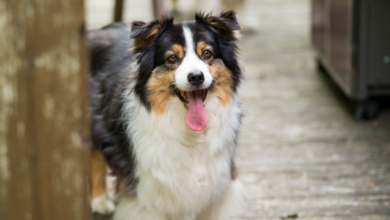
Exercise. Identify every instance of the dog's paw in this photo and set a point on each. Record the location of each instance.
(102, 205)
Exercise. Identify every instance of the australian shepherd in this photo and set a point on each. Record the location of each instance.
(165, 116)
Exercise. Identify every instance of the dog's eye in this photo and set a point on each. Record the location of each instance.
(206, 54)
(172, 58)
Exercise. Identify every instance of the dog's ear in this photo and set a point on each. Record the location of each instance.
(225, 23)
(145, 33)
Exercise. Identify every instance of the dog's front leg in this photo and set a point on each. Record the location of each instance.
(100, 203)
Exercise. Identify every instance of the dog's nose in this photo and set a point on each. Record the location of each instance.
(196, 78)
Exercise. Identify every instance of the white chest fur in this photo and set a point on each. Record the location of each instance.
(181, 171)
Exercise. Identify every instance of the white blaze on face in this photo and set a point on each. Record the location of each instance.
(191, 63)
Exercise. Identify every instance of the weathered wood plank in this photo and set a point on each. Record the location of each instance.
(43, 118)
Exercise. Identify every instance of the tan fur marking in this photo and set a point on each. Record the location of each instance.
(199, 48)
(223, 81)
(215, 24)
(146, 39)
(98, 174)
(159, 82)
(222, 30)
(159, 89)
(178, 50)
(153, 31)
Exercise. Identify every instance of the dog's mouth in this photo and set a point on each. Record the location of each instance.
(182, 95)
(194, 101)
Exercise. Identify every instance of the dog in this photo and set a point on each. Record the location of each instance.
(165, 116)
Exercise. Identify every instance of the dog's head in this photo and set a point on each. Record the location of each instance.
(187, 61)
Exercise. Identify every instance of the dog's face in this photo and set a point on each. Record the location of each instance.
(187, 61)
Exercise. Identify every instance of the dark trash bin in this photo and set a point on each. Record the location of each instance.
(352, 42)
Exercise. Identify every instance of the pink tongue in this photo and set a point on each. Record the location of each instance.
(196, 117)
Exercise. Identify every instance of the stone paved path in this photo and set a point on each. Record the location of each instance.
(301, 151)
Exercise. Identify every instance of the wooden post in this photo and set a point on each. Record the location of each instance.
(43, 113)
(158, 8)
(118, 10)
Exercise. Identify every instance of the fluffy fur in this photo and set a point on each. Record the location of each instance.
(164, 169)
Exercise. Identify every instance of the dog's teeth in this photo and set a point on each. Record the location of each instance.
(204, 94)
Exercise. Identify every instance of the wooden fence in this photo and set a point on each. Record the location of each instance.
(43, 111)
